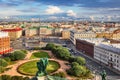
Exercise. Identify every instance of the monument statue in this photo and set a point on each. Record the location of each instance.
(103, 75)
(41, 65)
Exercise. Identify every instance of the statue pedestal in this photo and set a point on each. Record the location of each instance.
(41, 78)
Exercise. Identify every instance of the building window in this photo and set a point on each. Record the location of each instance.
(111, 55)
(117, 56)
(110, 59)
(117, 61)
(117, 65)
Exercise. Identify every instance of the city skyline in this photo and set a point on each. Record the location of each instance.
(55, 9)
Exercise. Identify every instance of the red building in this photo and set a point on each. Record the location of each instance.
(4, 43)
(85, 47)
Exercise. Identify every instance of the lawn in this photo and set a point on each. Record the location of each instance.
(30, 68)
(40, 55)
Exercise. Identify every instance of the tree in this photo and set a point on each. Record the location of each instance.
(78, 70)
(3, 63)
(80, 60)
(74, 64)
(50, 46)
(25, 51)
(54, 50)
(17, 55)
(63, 53)
(71, 59)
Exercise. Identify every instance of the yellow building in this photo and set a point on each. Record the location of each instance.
(104, 35)
(112, 35)
(14, 33)
(32, 31)
(66, 34)
(1, 27)
(42, 30)
(45, 30)
(116, 34)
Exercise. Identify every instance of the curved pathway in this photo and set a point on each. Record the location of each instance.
(13, 70)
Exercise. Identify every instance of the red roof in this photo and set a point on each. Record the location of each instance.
(6, 51)
(13, 30)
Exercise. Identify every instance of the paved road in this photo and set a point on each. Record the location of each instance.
(95, 67)
(17, 44)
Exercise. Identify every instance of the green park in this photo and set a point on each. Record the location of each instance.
(25, 65)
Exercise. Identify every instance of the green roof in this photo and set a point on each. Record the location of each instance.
(34, 28)
(50, 28)
(43, 26)
(22, 26)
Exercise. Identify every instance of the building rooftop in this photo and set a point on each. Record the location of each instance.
(12, 29)
(112, 47)
(3, 34)
(34, 28)
(93, 40)
(103, 43)
(82, 32)
(41, 27)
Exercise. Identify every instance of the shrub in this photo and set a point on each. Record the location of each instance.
(26, 78)
(16, 78)
(43, 48)
(7, 59)
(8, 77)
(3, 63)
(5, 77)
(2, 69)
(36, 48)
(60, 74)
(17, 55)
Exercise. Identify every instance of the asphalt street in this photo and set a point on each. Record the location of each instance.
(95, 67)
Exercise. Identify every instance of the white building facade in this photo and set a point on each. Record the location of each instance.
(77, 35)
(108, 54)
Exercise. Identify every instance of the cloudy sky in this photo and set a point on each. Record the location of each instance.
(61, 8)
